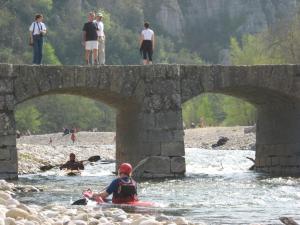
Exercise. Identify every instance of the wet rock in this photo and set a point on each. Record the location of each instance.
(77, 222)
(26, 188)
(98, 215)
(181, 221)
(5, 186)
(3, 201)
(25, 208)
(150, 222)
(82, 216)
(17, 213)
(248, 130)
(93, 222)
(12, 202)
(103, 220)
(9, 221)
(162, 218)
(5, 195)
(126, 222)
(220, 142)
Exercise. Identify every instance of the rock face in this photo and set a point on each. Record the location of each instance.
(206, 26)
(251, 15)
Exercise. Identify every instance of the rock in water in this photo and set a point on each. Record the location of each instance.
(220, 142)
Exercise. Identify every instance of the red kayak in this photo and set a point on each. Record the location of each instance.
(89, 195)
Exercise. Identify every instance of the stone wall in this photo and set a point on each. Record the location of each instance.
(149, 102)
(277, 142)
(8, 151)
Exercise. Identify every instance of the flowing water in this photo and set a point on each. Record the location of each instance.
(218, 189)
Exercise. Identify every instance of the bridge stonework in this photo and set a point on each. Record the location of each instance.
(148, 101)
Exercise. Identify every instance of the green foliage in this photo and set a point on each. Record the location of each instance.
(216, 109)
(206, 109)
(28, 118)
(253, 51)
(58, 111)
(238, 112)
(49, 56)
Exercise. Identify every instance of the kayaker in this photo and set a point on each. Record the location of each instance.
(124, 188)
(72, 164)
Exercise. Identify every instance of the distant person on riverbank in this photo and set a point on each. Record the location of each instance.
(123, 188)
(147, 43)
(73, 137)
(50, 141)
(101, 38)
(66, 131)
(72, 164)
(90, 39)
(37, 31)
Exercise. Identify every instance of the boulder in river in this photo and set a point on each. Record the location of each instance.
(220, 142)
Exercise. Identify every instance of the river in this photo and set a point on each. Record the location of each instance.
(218, 189)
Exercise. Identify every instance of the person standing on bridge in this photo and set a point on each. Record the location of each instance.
(90, 39)
(101, 38)
(37, 30)
(147, 43)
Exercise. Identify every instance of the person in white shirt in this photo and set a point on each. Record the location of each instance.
(101, 38)
(147, 42)
(37, 31)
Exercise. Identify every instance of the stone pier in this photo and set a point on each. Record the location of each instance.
(8, 150)
(278, 140)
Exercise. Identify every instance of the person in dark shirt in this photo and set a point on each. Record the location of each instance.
(124, 188)
(90, 39)
(72, 164)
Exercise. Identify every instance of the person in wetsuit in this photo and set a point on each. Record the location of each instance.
(72, 164)
(123, 188)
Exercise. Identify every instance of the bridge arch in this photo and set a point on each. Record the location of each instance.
(273, 91)
(148, 107)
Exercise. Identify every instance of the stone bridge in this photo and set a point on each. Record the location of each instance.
(149, 99)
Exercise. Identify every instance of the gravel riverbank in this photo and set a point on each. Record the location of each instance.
(36, 150)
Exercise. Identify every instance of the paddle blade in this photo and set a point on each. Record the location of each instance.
(94, 158)
(82, 201)
(46, 167)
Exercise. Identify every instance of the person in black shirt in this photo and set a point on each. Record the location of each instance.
(90, 39)
(72, 164)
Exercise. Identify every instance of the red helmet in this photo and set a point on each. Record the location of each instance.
(125, 168)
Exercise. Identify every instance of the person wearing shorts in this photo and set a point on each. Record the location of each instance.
(147, 42)
(90, 39)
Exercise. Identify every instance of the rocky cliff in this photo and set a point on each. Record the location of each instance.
(207, 25)
(251, 15)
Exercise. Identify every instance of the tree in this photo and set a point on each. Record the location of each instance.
(253, 51)
(28, 118)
